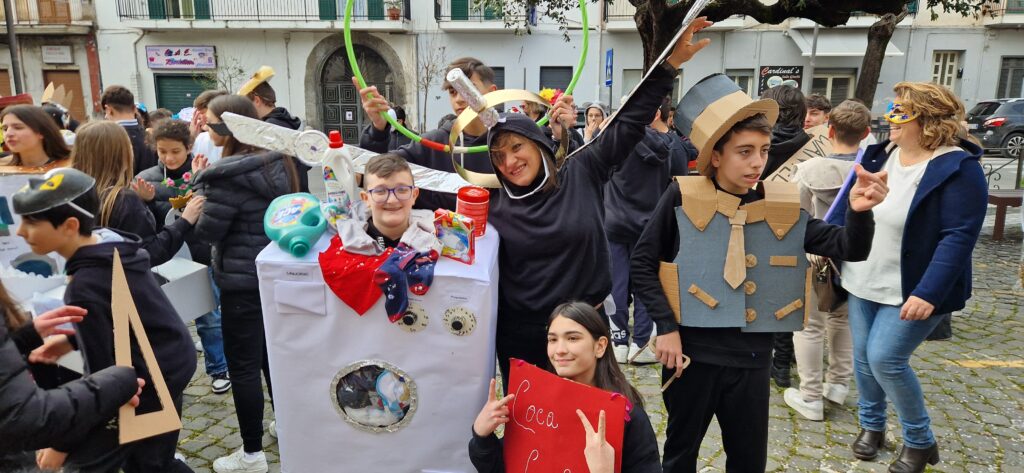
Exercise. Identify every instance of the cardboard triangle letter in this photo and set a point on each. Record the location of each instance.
(134, 426)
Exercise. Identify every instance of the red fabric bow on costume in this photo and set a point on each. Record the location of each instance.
(350, 276)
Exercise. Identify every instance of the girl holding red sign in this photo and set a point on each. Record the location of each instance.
(578, 339)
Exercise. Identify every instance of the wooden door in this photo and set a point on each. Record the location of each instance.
(5, 83)
(54, 11)
(72, 82)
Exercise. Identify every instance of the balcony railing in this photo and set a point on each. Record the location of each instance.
(45, 12)
(261, 10)
(1013, 6)
(618, 10)
(464, 10)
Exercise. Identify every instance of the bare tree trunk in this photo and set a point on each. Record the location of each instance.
(878, 39)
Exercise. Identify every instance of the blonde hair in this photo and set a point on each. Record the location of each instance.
(103, 150)
(941, 112)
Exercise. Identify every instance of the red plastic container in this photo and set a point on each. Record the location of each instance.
(474, 203)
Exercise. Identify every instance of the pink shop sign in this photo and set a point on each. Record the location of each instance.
(181, 57)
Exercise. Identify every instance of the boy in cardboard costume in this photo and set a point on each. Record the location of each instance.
(721, 266)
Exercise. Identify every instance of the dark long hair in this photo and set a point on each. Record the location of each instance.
(40, 122)
(13, 318)
(242, 106)
(607, 375)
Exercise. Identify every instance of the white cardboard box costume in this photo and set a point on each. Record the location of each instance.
(312, 337)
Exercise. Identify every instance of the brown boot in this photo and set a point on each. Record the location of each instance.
(867, 444)
(912, 460)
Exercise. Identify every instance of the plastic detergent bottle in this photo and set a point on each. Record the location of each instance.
(295, 222)
(339, 180)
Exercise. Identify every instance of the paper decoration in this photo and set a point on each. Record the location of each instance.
(544, 432)
(134, 426)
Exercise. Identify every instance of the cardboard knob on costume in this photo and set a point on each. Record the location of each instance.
(295, 222)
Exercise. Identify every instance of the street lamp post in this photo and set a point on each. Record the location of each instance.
(12, 42)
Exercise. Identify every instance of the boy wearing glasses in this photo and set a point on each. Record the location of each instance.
(390, 194)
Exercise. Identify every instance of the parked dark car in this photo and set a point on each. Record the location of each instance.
(999, 125)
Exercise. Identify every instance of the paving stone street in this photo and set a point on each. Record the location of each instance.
(972, 384)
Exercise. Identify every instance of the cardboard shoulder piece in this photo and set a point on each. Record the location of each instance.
(819, 145)
(756, 244)
(544, 433)
(132, 426)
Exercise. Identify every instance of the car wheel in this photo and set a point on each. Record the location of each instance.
(1013, 146)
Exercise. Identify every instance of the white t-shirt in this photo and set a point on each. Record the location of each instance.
(868, 141)
(879, 278)
(203, 145)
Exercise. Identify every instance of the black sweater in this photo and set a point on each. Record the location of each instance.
(728, 346)
(639, 448)
(32, 418)
(132, 215)
(636, 185)
(553, 247)
(91, 271)
(161, 205)
(143, 156)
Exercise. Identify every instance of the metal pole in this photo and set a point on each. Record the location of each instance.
(814, 54)
(12, 43)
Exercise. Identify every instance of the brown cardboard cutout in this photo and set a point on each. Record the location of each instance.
(700, 199)
(133, 426)
(782, 206)
(668, 273)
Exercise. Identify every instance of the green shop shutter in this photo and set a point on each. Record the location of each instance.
(329, 10)
(175, 92)
(157, 10)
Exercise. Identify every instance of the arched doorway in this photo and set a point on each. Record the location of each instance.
(340, 105)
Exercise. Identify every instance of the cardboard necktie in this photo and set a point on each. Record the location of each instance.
(735, 258)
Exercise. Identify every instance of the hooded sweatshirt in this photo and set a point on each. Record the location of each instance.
(820, 180)
(281, 117)
(90, 272)
(553, 246)
(238, 190)
(786, 141)
(636, 185)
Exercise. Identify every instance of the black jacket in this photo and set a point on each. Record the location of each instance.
(639, 448)
(786, 141)
(91, 271)
(728, 346)
(281, 116)
(553, 247)
(131, 214)
(238, 190)
(636, 185)
(161, 205)
(32, 418)
(144, 156)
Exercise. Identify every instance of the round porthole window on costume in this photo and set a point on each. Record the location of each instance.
(374, 396)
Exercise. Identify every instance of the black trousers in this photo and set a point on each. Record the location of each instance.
(245, 347)
(783, 355)
(527, 342)
(152, 455)
(738, 397)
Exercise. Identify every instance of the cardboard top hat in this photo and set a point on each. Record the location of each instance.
(711, 107)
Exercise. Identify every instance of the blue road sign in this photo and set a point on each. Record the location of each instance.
(608, 61)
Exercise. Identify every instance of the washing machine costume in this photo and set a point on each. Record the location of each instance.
(721, 271)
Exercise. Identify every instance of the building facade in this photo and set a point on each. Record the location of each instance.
(168, 50)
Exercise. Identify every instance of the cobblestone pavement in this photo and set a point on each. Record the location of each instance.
(972, 384)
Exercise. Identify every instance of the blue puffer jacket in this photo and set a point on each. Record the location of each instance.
(942, 226)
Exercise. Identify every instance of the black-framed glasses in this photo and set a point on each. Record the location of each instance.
(381, 194)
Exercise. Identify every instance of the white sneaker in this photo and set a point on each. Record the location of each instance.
(835, 392)
(236, 462)
(812, 410)
(199, 346)
(641, 356)
(621, 353)
(272, 429)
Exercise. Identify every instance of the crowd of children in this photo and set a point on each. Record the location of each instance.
(619, 222)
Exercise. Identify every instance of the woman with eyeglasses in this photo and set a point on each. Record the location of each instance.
(238, 189)
(920, 262)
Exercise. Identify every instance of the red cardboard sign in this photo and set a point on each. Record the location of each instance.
(544, 433)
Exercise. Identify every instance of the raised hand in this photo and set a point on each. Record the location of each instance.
(144, 189)
(373, 104)
(869, 190)
(599, 453)
(199, 163)
(685, 48)
(494, 413)
(563, 114)
(49, 322)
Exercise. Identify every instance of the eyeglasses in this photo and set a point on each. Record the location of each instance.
(381, 194)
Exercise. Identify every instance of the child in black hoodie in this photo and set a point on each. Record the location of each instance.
(58, 212)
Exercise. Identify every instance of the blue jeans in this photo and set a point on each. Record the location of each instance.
(208, 328)
(882, 345)
(622, 293)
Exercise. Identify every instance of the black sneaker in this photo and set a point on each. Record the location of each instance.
(221, 383)
(781, 376)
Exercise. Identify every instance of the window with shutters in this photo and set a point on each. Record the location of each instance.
(744, 78)
(1011, 78)
(555, 77)
(836, 84)
(944, 68)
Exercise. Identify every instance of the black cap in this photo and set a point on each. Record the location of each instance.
(57, 187)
